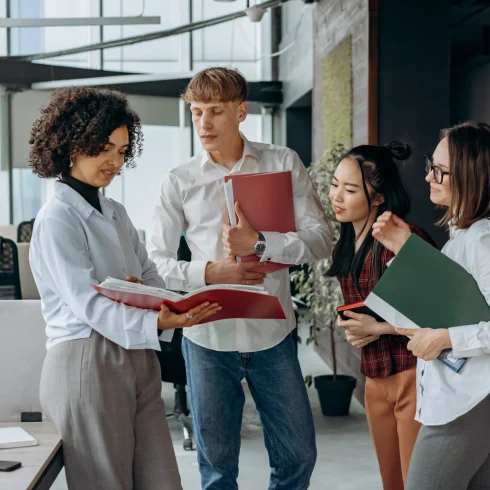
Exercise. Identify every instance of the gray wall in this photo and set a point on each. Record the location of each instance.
(471, 93)
(414, 90)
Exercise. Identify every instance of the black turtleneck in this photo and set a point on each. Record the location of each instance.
(87, 191)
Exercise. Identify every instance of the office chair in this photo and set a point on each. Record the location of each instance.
(172, 367)
(9, 270)
(24, 231)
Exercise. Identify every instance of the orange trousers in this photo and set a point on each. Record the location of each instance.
(390, 409)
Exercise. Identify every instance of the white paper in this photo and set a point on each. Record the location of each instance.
(230, 205)
(388, 313)
(15, 437)
(132, 287)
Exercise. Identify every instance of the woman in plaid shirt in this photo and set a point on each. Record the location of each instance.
(367, 183)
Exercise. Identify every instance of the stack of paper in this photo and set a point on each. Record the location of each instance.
(15, 437)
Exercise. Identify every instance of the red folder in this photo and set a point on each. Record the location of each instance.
(267, 202)
(235, 304)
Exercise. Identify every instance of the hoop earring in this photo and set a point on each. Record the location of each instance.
(71, 162)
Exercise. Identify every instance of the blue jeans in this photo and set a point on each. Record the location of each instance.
(217, 398)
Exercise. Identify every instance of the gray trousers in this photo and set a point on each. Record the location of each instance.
(455, 456)
(106, 403)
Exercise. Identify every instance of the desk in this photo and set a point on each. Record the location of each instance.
(41, 464)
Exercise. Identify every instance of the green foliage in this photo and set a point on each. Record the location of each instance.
(337, 95)
(321, 293)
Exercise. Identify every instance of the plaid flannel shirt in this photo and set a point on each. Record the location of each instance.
(389, 354)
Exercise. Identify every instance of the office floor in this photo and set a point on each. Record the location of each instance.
(346, 459)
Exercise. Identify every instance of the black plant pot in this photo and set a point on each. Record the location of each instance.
(335, 396)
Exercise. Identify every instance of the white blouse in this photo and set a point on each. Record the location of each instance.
(73, 246)
(442, 394)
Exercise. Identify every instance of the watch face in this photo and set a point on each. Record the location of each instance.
(259, 248)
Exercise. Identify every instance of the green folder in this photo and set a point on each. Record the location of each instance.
(424, 288)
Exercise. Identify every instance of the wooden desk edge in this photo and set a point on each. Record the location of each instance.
(43, 468)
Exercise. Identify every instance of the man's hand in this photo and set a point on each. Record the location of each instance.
(240, 240)
(229, 271)
(427, 343)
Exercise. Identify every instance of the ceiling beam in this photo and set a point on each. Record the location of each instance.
(147, 37)
(78, 21)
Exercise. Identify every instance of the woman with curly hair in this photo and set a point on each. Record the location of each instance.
(100, 382)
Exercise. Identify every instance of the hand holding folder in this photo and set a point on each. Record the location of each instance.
(236, 301)
(423, 288)
(266, 199)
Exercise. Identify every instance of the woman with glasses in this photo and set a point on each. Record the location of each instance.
(100, 383)
(452, 451)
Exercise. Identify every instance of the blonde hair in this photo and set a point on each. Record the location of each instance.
(216, 84)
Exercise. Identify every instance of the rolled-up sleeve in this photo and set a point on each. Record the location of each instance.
(66, 260)
(168, 223)
(312, 239)
(474, 340)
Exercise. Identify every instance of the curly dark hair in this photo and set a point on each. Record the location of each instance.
(79, 121)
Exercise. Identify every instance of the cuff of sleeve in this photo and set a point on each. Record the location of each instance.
(464, 341)
(167, 335)
(196, 274)
(274, 247)
(150, 324)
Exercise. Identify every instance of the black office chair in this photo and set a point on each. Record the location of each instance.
(172, 366)
(9, 270)
(24, 231)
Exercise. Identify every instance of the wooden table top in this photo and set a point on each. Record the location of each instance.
(34, 459)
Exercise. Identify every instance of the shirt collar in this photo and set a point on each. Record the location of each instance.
(71, 197)
(249, 149)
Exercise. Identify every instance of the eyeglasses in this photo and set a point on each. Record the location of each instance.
(431, 167)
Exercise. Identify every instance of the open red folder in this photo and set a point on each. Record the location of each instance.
(267, 202)
(236, 302)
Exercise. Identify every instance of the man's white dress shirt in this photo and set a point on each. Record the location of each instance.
(74, 246)
(192, 200)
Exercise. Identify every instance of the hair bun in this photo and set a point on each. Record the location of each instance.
(399, 150)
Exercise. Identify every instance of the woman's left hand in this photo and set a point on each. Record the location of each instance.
(427, 343)
(134, 279)
(359, 324)
(360, 342)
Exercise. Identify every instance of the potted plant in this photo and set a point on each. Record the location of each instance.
(322, 296)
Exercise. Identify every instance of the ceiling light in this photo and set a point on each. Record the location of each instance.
(78, 21)
(255, 13)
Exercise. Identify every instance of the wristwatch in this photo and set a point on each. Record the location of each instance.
(259, 246)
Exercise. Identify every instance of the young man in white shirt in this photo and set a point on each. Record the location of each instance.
(220, 355)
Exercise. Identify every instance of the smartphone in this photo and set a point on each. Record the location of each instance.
(9, 465)
(357, 308)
